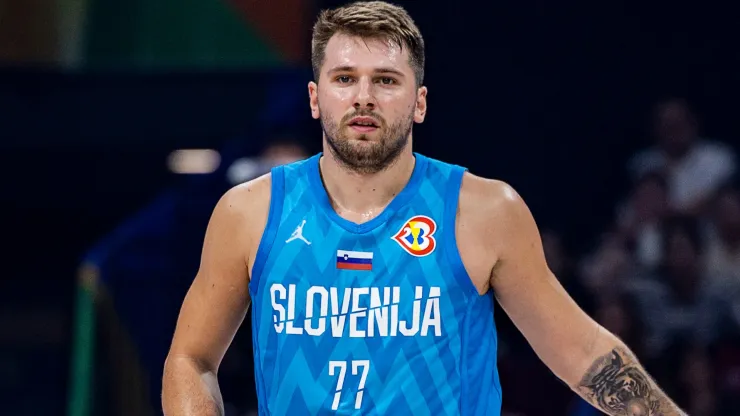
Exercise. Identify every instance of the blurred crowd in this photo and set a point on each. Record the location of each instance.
(664, 277)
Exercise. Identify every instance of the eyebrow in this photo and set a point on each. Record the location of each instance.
(347, 68)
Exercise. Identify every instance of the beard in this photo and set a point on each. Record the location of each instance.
(361, 154)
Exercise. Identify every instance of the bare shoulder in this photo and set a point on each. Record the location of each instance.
(484, 215)
(243, 199)
(488, 196)
(493, 206)
(218, 298)
(245, 209)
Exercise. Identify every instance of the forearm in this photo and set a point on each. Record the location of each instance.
(617, 384)
(190, 390)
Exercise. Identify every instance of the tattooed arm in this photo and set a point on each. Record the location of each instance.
(592, 361)
(617, 384)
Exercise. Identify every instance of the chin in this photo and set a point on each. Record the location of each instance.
(366, 143)
(361, 139)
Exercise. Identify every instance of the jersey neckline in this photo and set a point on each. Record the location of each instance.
(324, 203)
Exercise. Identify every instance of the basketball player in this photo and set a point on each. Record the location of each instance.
(372, 270)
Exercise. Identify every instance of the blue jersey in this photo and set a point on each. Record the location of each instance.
(378, 318)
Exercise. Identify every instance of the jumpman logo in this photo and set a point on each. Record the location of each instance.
(298, 234)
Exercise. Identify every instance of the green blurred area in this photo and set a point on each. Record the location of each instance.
(172, 34)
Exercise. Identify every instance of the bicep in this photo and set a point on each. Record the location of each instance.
(217, 301)
(554, 325)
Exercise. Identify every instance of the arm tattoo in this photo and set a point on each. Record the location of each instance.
(619, 386)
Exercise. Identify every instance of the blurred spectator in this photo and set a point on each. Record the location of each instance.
(720, 321)
(697, 379)
(283, 150)
(561, 264)
(686, 373)
(726, 360)
(604, 270)
(694, 167)
(620, 316)
(723, 248)
(722, 266)
(280, 150)
(641, 219)
(678, 299)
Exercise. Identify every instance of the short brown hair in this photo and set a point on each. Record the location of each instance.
(369, 19)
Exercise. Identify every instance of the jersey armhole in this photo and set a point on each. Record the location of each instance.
(277, 193)
(452, 199)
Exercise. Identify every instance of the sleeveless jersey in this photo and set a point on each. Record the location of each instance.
(378, 318)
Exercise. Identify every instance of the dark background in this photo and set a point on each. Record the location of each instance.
(552, 98)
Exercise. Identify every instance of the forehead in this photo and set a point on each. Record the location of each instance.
(344, 50)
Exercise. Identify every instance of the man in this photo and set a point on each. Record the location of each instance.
(695, 167)
(371, 267)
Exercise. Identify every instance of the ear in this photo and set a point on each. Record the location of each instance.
(421, 105)
(313, 99)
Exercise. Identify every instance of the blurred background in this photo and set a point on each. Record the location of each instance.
(121, 124)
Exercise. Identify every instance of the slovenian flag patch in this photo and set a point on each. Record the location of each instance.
(354, 260)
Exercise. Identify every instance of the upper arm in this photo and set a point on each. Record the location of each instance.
(554, 325)
(218, 298)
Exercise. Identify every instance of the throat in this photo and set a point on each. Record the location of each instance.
(358, 216)
(361, 202)
(360, 198)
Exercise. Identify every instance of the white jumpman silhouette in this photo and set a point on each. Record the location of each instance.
(298, 234)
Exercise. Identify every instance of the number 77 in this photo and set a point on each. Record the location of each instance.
(342, 366)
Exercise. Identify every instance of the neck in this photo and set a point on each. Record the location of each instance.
(364, 195)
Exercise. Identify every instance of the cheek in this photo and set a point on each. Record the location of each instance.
(328, 104)
(397, 106)
(337, 96)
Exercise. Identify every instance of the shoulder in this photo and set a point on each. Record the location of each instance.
(497, 214)
(244, 209)
(244, 200)
(488, 200)
(488, 213)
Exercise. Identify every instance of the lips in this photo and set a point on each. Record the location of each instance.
(363, 122)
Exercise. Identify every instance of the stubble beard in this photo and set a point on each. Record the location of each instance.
(360, 154)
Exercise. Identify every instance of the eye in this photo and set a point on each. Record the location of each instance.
(344, 79)
(387, 81)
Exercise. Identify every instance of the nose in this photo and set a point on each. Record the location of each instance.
(364, 98)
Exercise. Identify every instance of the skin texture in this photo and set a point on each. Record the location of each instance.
(362, 172)
(216, 303)
(387, 94)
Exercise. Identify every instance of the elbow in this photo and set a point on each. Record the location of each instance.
(178, 380)
(173, 365)
(177, 366)
(175, 370)
(178, 369)
(178, 362)
(188, 382)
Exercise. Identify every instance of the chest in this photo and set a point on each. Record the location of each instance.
(394, 279)
(311, 249)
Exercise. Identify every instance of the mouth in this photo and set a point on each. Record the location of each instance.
(364, 124)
